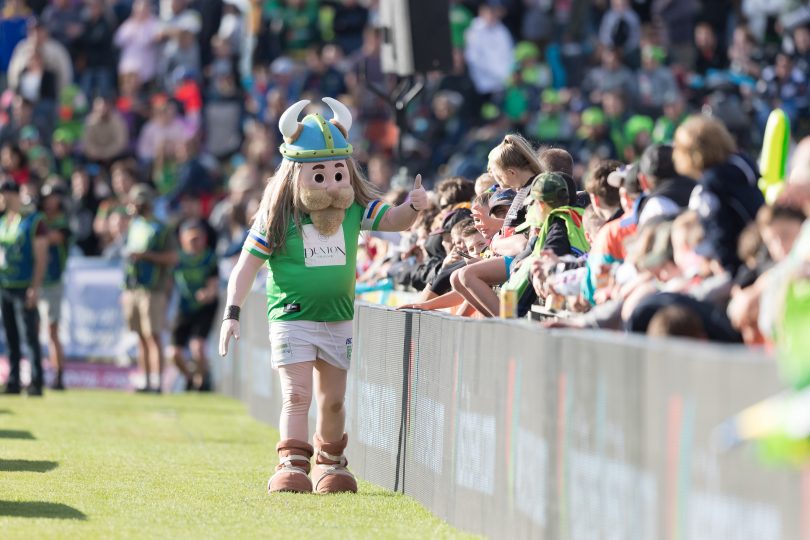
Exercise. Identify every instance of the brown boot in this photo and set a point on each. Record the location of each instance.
(293, 467)
(330, 474)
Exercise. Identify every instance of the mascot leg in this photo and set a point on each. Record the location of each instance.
(330, 474)
(294, 453)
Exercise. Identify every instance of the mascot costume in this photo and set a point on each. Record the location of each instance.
(306, 232)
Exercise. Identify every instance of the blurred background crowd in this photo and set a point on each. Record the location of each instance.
(185, 95)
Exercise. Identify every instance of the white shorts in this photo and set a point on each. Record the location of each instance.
(50, 302)
(292, 342)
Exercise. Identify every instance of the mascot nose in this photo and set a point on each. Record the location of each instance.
(331, 186)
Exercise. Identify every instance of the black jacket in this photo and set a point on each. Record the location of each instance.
(727, 199)
(678, 189)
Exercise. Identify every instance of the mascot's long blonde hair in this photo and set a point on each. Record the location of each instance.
(281, 201)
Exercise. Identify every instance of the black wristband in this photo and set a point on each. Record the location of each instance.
(413, 207)
(232, 312)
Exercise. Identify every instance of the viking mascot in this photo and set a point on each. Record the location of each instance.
(306, 232)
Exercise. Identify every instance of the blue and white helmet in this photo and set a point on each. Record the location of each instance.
(315, 138)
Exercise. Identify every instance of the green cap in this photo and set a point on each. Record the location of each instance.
(655, 52)
(63, 135)
(593, 116)
(551, 188)
(551, 96)
(526, 50)
(638, 124)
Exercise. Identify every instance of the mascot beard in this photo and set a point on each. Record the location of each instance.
(327, 208)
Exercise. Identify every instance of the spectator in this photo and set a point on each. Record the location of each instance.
(15, 164)
(677, 19)
(714, 324)
(780, 226)
(13, 22)
(785, 87)
(54, 56)
(181, 53)
(52, 206)
(609, 249)
(488, 51)
(668, 192)
(163, 128)
(150, 254)
(63, 21)
(801, 47)
(710, 54)
(299, 30)
(323, 78)
(593, 142)
(36, 82)
(231, 29)
(138, 38)
(193, 179)
(620, 28)
(105, 132)
(223, 118)
(82, 211)
(485, 182)
(674, 115)
(727, 197)
(96, 41)
(65, 160)
(348, 23)
(124, 178)
(655, 81)
(610, 76)
(560, 161)
(24, 242)
(196, 277)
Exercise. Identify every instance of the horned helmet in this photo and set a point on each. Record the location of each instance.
(315, 138)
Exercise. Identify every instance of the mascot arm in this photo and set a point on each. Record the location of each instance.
(242, 278)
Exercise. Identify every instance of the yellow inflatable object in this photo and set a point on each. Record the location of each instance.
(773, 160)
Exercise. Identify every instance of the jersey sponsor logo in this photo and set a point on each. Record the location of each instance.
(292, 308)
(320, 250)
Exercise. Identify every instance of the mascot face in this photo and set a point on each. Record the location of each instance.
(325, 192)
(324, 184)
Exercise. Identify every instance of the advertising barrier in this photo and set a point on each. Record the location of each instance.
(92, 323)
(510, 431)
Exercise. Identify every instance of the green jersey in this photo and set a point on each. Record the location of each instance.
(313, 277)
(147, 234)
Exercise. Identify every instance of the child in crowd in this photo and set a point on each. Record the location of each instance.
(474, 242)
(514, 165)
(197, 280)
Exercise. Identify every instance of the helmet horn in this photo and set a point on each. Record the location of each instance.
(288, 123)
(342, 117)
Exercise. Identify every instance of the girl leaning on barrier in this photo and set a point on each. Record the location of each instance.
(306, 232)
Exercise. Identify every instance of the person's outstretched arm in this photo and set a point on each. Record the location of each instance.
(402, 217)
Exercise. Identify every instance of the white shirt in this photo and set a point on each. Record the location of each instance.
(658, 206)
(489, 52)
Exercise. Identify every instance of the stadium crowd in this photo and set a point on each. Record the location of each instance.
(137, 127)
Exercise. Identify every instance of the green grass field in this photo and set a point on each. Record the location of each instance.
(93, 464)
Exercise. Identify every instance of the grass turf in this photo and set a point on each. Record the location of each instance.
(94, 464)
